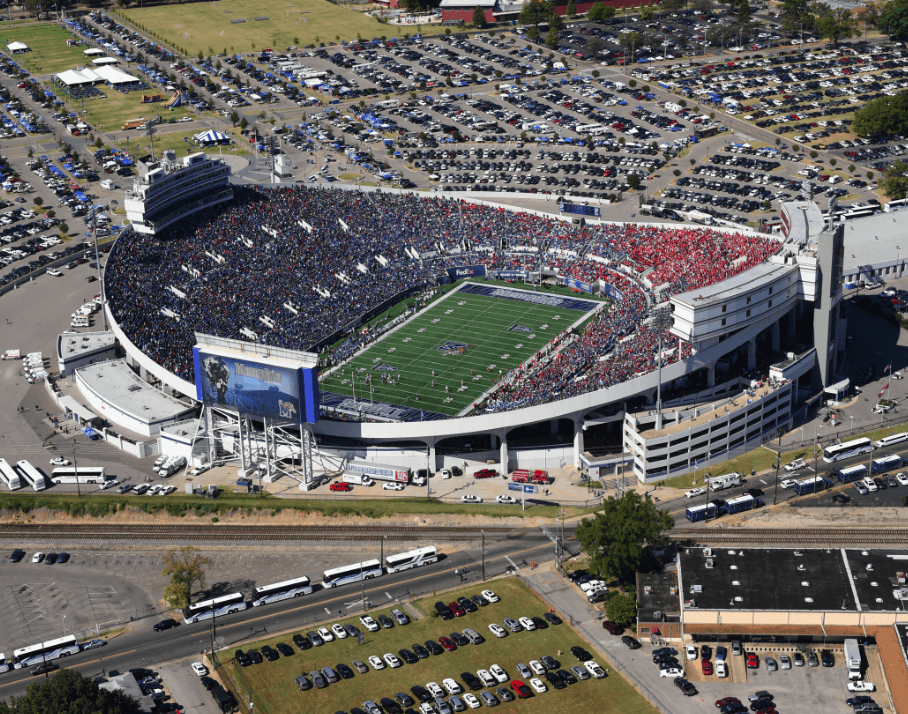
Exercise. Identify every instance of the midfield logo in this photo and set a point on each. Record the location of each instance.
(520, 328)
(384, 368)
(453, 348)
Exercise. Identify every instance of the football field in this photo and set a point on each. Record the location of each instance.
(442, 361)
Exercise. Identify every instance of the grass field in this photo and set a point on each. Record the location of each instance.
(207, 27)
(466, 340)
(49, 52)
(275, 691)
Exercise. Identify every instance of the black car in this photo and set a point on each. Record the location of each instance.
(16, 555)
(467, 604)
(630, 642)
(62, 557)
(353, 631)
(444, 612)
(665, 660)
(549, 662)
(50, 559)
(43, 668)
(407, 656)
(404, 699)
(667, 651)
(302, 641)
(861, 699)
(269, 653)
(471, 680)
(841, 498)
(242, 658)
(552, 618)
(758, 704)
(284, 649)
(540, 623)
(344, 671)
(555, 680)
(420, 651)
(255, 656)
(733, 709)
(434, 647)
(479, 600)
(459, 640)
(827, 659)
(390, 706)
(385, 622)
(581, 654)
(706, 652)
(166, 625)
(566, 676)
(420, 693)
(685, 686)
(755, 492)
(208, 683)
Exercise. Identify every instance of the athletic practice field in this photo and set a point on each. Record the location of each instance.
(468, 340)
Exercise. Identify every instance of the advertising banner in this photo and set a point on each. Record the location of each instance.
(467, 271)
(578, 285)
(579, 209)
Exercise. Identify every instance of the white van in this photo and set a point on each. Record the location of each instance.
(108, 185)
(79, 321)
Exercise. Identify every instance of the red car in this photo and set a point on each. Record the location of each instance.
(456, 609)
(752, 661)
(706, 667)
(447, 644)
(612, 628)
(521, 690)
(726, 701)
(485, 473)
(340, 486)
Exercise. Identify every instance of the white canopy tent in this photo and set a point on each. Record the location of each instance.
(17, 47)
(93, 52)
(101, 61)
(111, 75)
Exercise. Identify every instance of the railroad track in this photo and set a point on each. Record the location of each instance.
(251, 533)
(817, 537)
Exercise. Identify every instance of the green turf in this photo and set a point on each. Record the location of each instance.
(49, 52)
(481, 322)
(275, 692)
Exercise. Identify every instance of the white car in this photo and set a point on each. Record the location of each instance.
(691, 651)
(787, 483)
(37, 557)
(434, 690)
(185, 119)
(498, 630)
(471, 700)
(200, 669)
(109, 484)
(369, 623)
(694, 492)
(376, 663)
(861, 687)
(53, 271)
(59, 461)
(490, 596)
(325, 634)
(538, 685)
(594, 669)
(527, 623)
(392, 661)
(537, 667)
(506, 500)
(153, 491)
(339, 631)
(445, 473)
(470, 498)
(902, 479)
(672, 672)
(392, 486)
(452, 686)
(721, 668)
(167, 490)
(499, 673)
(486, 677)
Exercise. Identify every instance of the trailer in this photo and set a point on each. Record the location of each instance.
(357, 478)
(718, 483)
(886, 463)
(811, 485)
(380, 472)
(852, 473)
(742, 503)
(853, 659)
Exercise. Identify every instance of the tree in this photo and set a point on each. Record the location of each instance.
(234, 117)
(571, 8)
(617, 537)
(187, 570)
(479, 16)
(893, 18)
(551, 39)
(535, 13)
(883, 117)
(533, 33)
(621, 609)
(744, 12)
(895, 185)
(39, 201)
(835, 24)
(647, 13)
(796, 15)
(556, 22)
(68, 692)
(595, 13)
(633, 180)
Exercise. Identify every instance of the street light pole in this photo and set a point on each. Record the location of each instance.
(483, 555)
(76, 469)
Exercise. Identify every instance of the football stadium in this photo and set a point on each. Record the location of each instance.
(456, 329)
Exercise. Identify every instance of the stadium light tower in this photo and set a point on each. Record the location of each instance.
(661, 320)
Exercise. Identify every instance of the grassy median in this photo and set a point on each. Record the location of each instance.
(275, 691)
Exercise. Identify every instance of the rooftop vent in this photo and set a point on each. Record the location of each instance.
(696, 588)
(869, 566)
(802, 567)
(710, 563)
(808, 599)
(731, 552)
(875, 584)
(738, 598)
(798, 553)
(734, 567)
(708, 552)
(735, 582)
(740, 552)
(805, 583)
(864, 552)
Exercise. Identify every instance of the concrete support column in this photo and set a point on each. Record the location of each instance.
(553, 427)
(431, 464)
(711, 376)
(752, 353)
(776, 342)
(578, 441)
(503, 451)
(791, 324)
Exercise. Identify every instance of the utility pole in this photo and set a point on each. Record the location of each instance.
(362, 579)
(213, 632)
(483, 555)
(561, 559)
(775, 492)
(76, 469)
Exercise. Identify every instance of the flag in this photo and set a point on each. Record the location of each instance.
(888, 367)
(343, 225)
(884, 390)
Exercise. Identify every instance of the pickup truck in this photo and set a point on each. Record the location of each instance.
(796, 465)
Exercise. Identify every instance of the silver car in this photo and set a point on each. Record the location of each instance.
(785, 661)
(771, 665)
(524, 670)
(489, 699)
(512, 624)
